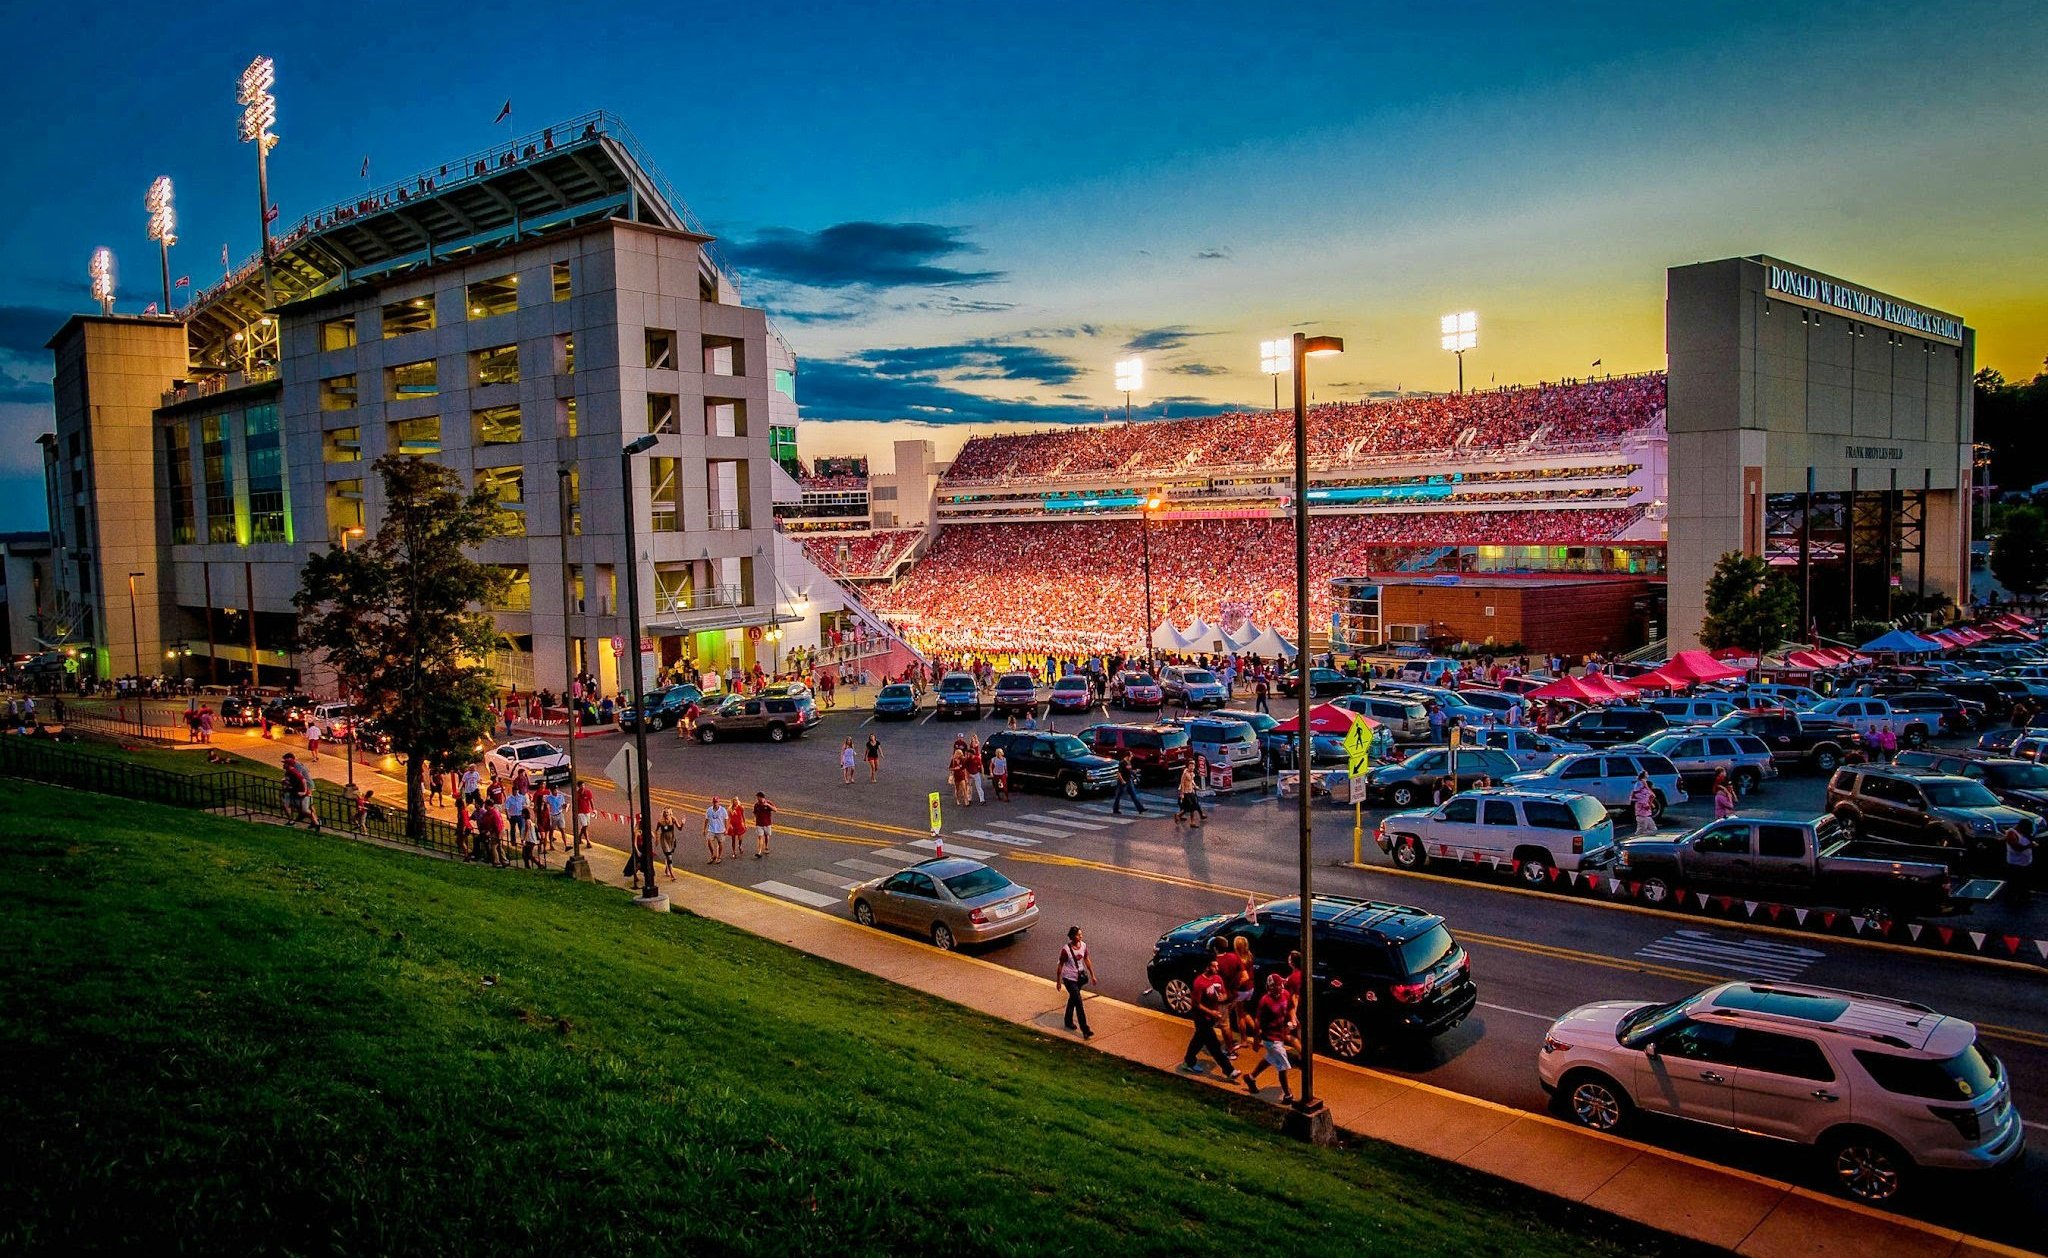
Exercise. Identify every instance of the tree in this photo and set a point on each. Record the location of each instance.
(398, 617)
(2019, 554)
(1748, 605)
(2009, 418)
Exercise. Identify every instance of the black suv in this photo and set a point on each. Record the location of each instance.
(1931, 808)
(1383, 971)
(1016, 692)
(959, 696)
(1610, 727)
(665, 707)
(1059, 763)
(2020, 783)
(1322, 683)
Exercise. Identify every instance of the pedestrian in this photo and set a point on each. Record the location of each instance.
(1190, 800)
(351, 803)
(999, 771)
(313, 741)
(586, 811)
(736, 826)
(529, 844)
(846, 761)
(874, 754)
(1210, 1006)
(1274, 1018)
(471, 784)
(557, 811)
(1076, 969)
(665, 834)
(974, 769)
(686, 725)
(1643, 798)
(1244, 987)
(764, 823)
(2019, 866)
(1724, 796)
(515, 816)
(956, 773)
(1261, 691)
(714, 829)
(298, 794)
(1126, 784)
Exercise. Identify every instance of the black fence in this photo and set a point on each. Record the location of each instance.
(229, 792)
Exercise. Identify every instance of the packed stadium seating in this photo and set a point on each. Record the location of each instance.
(858, 556)
(1543, 417)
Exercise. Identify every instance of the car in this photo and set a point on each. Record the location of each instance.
(1405, 783)
(1383, 971)
(1608, 776)
(1702, 755)
(1450, 702)
(1401, 717)
(1157, 751)
(1527, 748)
(1072, 693)
(1016, 692)
(896, 701)
(1323, 683)
(1498, 702)
(776, 719)
(1192, 687)
(1604, 727)
(1880, 1089)
(665, 707)
(1280, 745)
(239, 713)
(1132, 689)
(539, 757)
(949, 900)
(1698, 710)
(1777, 695)
(1867, 715)
(2020, 783)
(785, 690)
(2005, 739)
(371, 737)
(958, 695)
(1952, 715)
(290, 711)
(1794, 739)
(1539, 831)
(334, 719)
(1922, 807)
(1223, 739)
(1058, 763)
(1981, 691)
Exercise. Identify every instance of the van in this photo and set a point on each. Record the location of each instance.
(1223, 742)
(1157, 751)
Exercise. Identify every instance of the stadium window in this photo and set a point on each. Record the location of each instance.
(785, 383)
(565, 354)
(495, 426)
(662, 410)
(411, 380)
(661, 349)
(508, 486)
(337, 393)
(497, 365)
(661, 494)
(270, 504)
(344, 507)
(216, 462)
(416, 436)
(563, 288)
(338, 333)
(341, 445)
(488, 298)
(566, 416)
(414, 314)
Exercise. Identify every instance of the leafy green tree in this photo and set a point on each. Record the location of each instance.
(399, 618)
(1748, 605)
(2019, 554)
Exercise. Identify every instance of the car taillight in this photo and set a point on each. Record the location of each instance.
(1030, 899)
(1409, 993)
(977, 917)
(1552, 1044)
(1968, 1124)
(1578, 844)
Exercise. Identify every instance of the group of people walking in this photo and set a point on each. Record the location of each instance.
(1234, 1011)
(725, 826)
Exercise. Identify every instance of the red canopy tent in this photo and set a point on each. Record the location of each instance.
(1574, 688)
(1326, 718)
(1608, 688)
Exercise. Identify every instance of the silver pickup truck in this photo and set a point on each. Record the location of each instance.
(1789, 861)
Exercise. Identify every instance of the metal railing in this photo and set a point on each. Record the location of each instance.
(725, 521)
(710, 598)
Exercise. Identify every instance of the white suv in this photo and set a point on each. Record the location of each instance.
(1539, 831)
(1608, 776)
(1878, 1087)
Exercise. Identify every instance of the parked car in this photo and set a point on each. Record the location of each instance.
(959, 696)
(1323, 683)
(949, 900)
(1132, 689)
(1222, 739)
(1608, 776)
(1059, 763)
(1604, 727)
(1951, 812)
(1402, 717)
(896, 701)
(742, 716)
(239, 713)
(373, 738)
(1777, 695)
(1702, 755)
(1950, 714)
(1157, 751)
(1814, 861)
(1982, 691)
(1539, 830)
(2003, 740)
(2019, 783)
(1016, 692)
(1696, 710)
(665, 707)
(1867, 715)
(1796, 740)
(1498, 702)
(1405, 783)
(1527, 748)
(290, 711)
(1192, 687)
(539, 757)
(1072, 693)
(1880, 1089)
(1384, 971)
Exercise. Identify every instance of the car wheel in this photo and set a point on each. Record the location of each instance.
(1179, 996)
(1866, 1167)
(1402, 796)
(1657, 804)
(1409, 853)
(862, 913)
(1343, 1038)
(1596, 1101)
(1852, 825)
(1071, 788)
(1747, 781)
(942, 937)
(706, 734)
(1536, 871)
(1827, 759)
(1916, 736)
(1656, 890)
(1876, 915)
(777, 733)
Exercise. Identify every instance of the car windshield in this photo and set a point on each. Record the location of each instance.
(975, 882)
(537, 751)
(1959, 795)
(1014, 682)
(956, 683)
(1067, 745)
(1651, 1020)
(1427, 949)
(1198, 676)
(895, 692)
(1071, 683)
(2017, 777)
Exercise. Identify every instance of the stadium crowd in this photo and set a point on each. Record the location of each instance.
(1550, 415)
(858, 556)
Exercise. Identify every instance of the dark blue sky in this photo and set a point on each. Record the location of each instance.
(964, 213)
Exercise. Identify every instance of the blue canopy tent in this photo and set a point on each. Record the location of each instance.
(1900, 642)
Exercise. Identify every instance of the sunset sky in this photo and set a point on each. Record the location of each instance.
(963, 215)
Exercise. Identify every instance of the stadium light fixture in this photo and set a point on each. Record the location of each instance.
(101, 269)
(1460, 333)
(1273, 361)
(1130, 377)
(259, 114)
(163, 227)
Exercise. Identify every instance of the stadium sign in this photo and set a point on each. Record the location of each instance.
(1836, 296)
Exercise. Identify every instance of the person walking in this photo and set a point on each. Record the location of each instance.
(1724, 796)
(714, 829)
(586, 811)
(665, 834)
(846, 761)
(1126, 784)
(1274, 1018)
(1261, 691)
(874, 757)
(1210, 1006)
(974, 769)
(736, 826)
(1076, 969)
(557, 812)
(999, 772)
(956, 773)
(1643, 798)
(2019, 866)
(764, 823)
(313, 741)
(298, 794)
(1191, 812)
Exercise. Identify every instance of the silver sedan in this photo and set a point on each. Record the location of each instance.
(949, 900)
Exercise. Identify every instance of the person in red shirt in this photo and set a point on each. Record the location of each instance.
(586, 806)
(764, 823)
(736, 827)
(1230, 970)
(1275, 1016)
(1211, 1002)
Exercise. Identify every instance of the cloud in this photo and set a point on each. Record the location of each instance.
(20, 386)
(1212, 255)
(837, 389)
(1162, 338)
(1201, 369)
(1057, 334)
(975, 360)
(27, 329)
(861, 255)
(21, 422)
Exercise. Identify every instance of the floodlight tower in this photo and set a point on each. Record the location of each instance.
(259, 113)
(1273, 356)
(1461, 332)
(101, 269)
(163, 227)
(1130, 377)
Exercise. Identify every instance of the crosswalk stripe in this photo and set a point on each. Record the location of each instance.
(898, 855)
(991, 836)
(971, 853)
(865, 867)
(1102, 813)
(829, 878)
(1069, 822)
(1737, 965)
(1043, 832)
(802, 895)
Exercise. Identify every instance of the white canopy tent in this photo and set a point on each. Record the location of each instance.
(1241, 643)
(1168, 638)
(1270, 644)
(1199, 636)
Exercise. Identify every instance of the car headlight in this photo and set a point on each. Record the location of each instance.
(1983, 825)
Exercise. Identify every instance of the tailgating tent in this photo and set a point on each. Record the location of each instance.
(1899, 642)
(1270, 644)
(1736, 657)
(1608, 687)
(1657, 679)
(1698, 666)
(1241, 643)
(1325, 718)
(1168, 638)
(1569, 687)
(1200, 636)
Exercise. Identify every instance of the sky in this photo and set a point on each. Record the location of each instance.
(961, 216)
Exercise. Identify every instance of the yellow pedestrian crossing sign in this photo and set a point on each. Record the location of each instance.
(935, 811)
(1358, 746)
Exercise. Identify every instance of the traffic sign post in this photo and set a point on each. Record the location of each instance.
(938, 844)
(1358, 751)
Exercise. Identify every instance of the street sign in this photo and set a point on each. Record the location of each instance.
(1358, 746)
(618, 645)
(647, 646)
(622, 770)
(933, 798)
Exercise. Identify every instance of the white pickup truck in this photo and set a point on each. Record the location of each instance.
(1867, 716)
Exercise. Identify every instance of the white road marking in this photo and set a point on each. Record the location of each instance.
(830, 879)
(1044, 832)
(898, 855)
(1101, 812)
(866, 867)
(1069, 822)
(990, 836)
(802, 895)
(1761, 957)
(971, 853)
(1540, 1017)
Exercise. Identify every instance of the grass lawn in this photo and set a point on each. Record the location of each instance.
(178, 759)
(224, 1038)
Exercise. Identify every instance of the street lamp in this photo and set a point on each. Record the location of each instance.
(134, 630)
(578, 865)
(642, 835)
(1311, 1119)
(1461, 332)
(259, 113)
(101, 269)
(1150, 505)
(353, 531)
(1130, 377)
(1273, 357)
(163, 227)
(773, 637)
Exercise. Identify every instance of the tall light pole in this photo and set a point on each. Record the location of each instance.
(134, 625)
(1151, 504)
(163, 227)
(1310, 1118)
(259, 112)
(1273, 356)
(1461, 332)
(101, 270)
(578, 865)
(1130, 377)
(353, 531)
(643, 843)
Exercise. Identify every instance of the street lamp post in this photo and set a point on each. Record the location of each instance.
(774, 639)
(1461, 332)
(643, 843)
(353, 531)
(578, 865)
(1145, 513)
(134, 626)
(1311, 1119)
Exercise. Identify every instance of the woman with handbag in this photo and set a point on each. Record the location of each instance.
(1076, 969)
